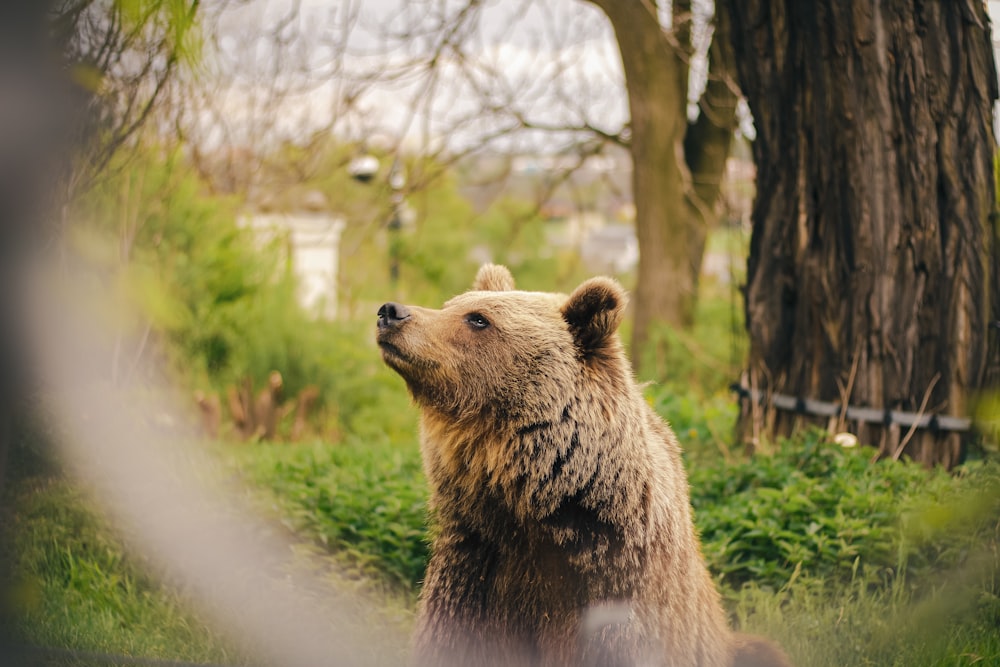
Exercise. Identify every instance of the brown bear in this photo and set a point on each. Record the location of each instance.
(563, 521)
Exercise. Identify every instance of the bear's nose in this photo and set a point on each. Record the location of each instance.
(391, 314)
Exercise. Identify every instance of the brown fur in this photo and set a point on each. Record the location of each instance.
(564, 523)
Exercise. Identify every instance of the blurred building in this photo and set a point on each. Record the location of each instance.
(612, 248)
(311, 235)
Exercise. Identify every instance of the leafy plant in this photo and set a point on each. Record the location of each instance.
(365, 500)
(816, 511)
(703, 423)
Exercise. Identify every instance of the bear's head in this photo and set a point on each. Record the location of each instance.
(501, 354)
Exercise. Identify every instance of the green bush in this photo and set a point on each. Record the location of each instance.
(366, 500)
(821, 513)
(705, 359)
(703, 423)
(812, 512)
(224, 307)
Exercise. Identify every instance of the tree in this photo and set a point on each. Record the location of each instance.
(677, 166)
(259, 89)
(873, 271)
(121, 56)
(433, 50)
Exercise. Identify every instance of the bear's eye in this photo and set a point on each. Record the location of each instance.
(477, 321)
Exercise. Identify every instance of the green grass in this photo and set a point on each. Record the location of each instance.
(365, 501)
(951, 625)
(843, 562)
(813, 510)
(903, 567)
(76, 587)
(895, 548)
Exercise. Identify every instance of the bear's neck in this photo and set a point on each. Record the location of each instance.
(566, 477)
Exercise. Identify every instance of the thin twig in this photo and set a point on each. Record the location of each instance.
(920, 413)
(845, 395)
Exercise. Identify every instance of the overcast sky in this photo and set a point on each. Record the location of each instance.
(518, 45)
(525, 41)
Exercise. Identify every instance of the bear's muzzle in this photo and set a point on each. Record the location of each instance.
(391, 315)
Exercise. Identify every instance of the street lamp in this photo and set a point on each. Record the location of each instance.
(363, 169)
(397, 181)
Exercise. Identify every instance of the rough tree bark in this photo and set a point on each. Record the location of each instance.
(677, 167)
(872, 274)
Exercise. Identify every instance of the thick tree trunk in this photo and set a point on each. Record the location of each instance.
(676, 169)
(872, 269)
(656, 82)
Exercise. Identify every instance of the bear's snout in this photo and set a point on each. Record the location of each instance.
(391, 315)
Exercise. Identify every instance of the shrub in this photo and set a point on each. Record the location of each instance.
(225, 307)
(812, 511)
(704, 359)
(819, 512)
(703, 423)
(365, 500)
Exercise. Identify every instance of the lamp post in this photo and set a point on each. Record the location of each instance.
(363, 169)
(397, 181)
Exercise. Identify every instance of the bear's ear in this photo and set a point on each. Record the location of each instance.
(493, 278)
(594, 311)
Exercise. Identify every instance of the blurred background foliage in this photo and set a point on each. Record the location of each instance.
(224, 306)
